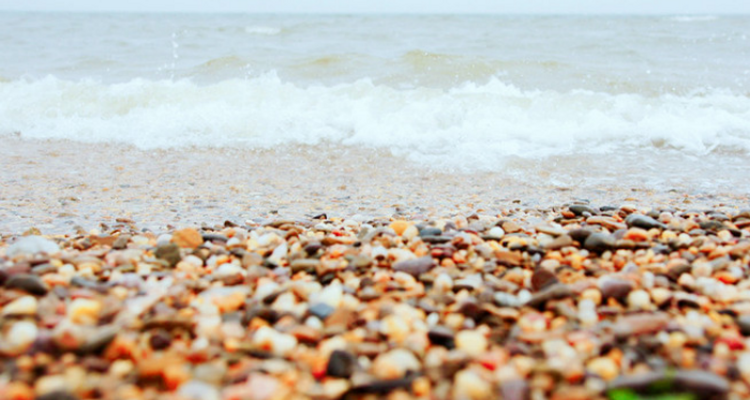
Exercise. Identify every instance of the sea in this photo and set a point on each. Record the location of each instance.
(643, 102)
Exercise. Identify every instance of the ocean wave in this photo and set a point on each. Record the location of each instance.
(262, 30)
(467, 127)
(694, 18)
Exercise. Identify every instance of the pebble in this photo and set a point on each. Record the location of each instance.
(469, 384)
(416, 266)
(599, 242)
(187, 238)
(24, 305)
(341, 364)
(394, 364)
(639, 300)
(277, 343)
(604, 367)
(472, 342)
(643, 221)
(19, 338)
(28, 283)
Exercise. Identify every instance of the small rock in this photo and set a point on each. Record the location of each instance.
(637, 324)
(187, 238)
(604, 367)
(276, 342)
(24, 305)
(643, 221)
(473, 343)
(580, 209)
(19, 338)
(169, 253)
(394, 364)
(399, 226)
(28, 283)
(443, 283)
(321, 310)
(416, 266)
(32, 245)
(469, 384)
(542, 278)
(615, 288)
(82, 310)
(442, 336)
(743, 321)
(599, 242)
(554, 292)
(341, 364)
(197, 390)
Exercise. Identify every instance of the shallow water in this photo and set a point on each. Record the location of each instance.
(190, 118)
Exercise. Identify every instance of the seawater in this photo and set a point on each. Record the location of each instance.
(591, 99)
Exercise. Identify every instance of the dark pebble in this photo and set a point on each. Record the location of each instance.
(430, 231)
(416, 266)
(542, 278)
(57, 395)
(380, 387)
(554, 292)
(436, 239)
(28, 283)
(643, 221)
(341, 364)
(442, 336)
(615, 288)
(160, 340)
(599, 242)
(743, 321)
(712, 225)
(169, 253)
(580, 234)
(580, 209)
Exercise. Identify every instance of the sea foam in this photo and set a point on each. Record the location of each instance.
(467, 127)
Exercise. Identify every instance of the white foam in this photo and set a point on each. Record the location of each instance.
(694, 18)
(469, 127)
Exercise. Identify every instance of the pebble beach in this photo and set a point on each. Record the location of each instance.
(572, 301)
(205, 206)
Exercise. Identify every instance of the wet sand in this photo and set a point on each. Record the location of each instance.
(56, 186)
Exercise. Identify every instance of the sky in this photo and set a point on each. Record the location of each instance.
(391, 6)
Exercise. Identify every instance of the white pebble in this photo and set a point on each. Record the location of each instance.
(639, 300)
(443, 283)
(473, 343)
(24, 305)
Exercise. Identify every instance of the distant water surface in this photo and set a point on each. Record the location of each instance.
(653, 100)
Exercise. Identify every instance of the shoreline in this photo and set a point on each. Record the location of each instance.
(577, 302)
(58, 185)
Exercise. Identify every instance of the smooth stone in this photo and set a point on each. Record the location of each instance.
(442, 336)
(615, 288)
(32, 245)
(341, 364)
(197, 390)
(187, 238)
(542, 278)
(580, 209)
(169, 253)
(430, 231)
(554, 292)
(559, 242)
(712, 225)
(321, 310)
(643, 221)
(516, 389)
(28, 283)
(416, 266)
(121, 242)
(599, 242)
(637, 324)
(743, 321)
(24, 305)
